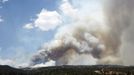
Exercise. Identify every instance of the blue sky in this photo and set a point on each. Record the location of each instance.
(13, 37)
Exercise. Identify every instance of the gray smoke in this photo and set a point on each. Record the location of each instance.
(71, 46)
(120, 16)
(87, 41)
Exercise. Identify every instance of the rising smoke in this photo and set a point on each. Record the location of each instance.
(89, 40)
(120, 15)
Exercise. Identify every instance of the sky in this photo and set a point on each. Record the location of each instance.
(17, 42)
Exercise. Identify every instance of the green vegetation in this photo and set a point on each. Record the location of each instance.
(70, 70)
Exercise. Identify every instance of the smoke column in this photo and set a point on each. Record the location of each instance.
(89, 39)
(120, 16)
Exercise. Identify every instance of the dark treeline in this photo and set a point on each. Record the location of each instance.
(70, 70)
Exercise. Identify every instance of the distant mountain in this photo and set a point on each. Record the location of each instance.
(69, 70)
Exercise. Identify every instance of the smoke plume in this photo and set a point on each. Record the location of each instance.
(100, 35)
(119, 15)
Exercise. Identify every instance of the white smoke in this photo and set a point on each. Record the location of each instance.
(49, 63)
(98, 33)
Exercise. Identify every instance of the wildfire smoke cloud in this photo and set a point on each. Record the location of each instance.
(90, 38)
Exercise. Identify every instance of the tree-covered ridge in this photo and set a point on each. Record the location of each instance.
(70, 70)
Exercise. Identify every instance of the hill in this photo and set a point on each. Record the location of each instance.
(69, 70)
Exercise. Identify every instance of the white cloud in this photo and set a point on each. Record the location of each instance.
(29, 26)
(46, 20)
(49, 20)
(68, 9)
